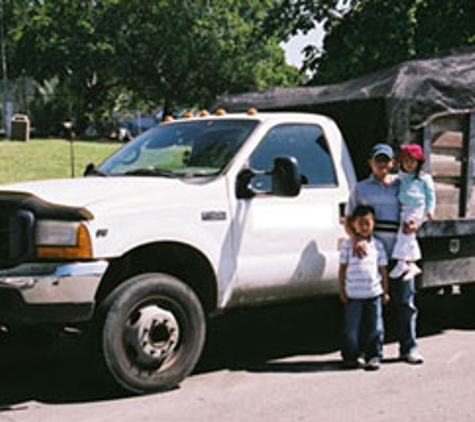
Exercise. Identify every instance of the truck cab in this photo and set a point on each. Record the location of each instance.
(193, 217)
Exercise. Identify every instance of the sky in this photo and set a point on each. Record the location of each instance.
(294, 47)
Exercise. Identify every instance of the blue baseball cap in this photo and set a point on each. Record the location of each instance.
(382, 149)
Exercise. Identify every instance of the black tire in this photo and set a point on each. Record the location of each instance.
(468, 290)
(153, 333)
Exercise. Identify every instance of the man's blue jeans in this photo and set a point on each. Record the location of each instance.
(402, 298)
(364, 329)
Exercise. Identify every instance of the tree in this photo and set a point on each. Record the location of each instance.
(188, 52)
(442, 26)
(74, 41)
(372, 35)
(167, 52)
(363, 36)
(289, 17)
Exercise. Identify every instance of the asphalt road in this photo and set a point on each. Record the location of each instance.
(276, 364)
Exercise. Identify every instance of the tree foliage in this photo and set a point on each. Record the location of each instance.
(370, 36)
(442, 26)
(367, 35)
(69, 40)
(161, 52)
(289, 17)
(187, 52)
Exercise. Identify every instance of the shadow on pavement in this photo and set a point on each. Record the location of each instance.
(249, 340)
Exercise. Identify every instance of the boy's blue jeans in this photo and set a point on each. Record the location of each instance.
(364, 329)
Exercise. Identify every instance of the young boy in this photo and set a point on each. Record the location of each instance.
(363, 288)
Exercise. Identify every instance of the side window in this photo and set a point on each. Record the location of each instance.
(304, 142)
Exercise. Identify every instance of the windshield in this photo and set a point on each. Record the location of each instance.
(194, 148)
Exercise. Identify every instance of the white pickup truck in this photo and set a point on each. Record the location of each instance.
(191, 218)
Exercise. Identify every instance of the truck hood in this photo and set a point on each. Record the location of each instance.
(91, 191)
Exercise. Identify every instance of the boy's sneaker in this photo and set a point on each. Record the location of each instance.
(373, 364)
(411, 272)
(400, 269)
(414, 358)
(360, 362)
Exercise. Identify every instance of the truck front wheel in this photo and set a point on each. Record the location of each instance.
(153, 332)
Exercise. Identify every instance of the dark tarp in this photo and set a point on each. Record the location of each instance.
(387, 106)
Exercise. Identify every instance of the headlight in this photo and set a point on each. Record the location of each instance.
(62, 240)
(56, 233)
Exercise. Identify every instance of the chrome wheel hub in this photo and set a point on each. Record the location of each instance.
(151, 334)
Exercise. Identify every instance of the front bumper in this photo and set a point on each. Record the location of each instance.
(49, 292)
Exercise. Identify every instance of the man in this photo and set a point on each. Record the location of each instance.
(380, 191)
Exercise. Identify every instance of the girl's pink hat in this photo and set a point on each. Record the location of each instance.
(413, 151)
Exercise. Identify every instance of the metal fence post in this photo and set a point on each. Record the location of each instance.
(467, 161)
(427, 145)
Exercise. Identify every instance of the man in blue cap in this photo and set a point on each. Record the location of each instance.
(380, 191)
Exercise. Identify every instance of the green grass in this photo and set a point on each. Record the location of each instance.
(48, 158)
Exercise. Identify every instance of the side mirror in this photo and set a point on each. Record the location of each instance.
(243, 184)
(90, 169)
(286, 179)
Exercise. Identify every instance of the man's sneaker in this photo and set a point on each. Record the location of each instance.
(414, 358)
(400, 269)
(373, 364)
(354, 364)
(412, 271)
(350, 364)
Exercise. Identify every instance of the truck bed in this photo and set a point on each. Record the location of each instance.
(445, 164)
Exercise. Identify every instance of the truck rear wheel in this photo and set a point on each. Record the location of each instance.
(153, 333)
(468, 290)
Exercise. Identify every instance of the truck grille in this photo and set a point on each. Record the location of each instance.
(16, 236)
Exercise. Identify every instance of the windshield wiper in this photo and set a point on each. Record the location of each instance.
(150, 172)
(92, 170)
(193, 174)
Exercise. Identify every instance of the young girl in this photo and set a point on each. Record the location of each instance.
(417, 200)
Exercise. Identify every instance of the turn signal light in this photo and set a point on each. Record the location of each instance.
(82, 250)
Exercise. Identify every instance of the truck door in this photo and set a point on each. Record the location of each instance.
(288, 247)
